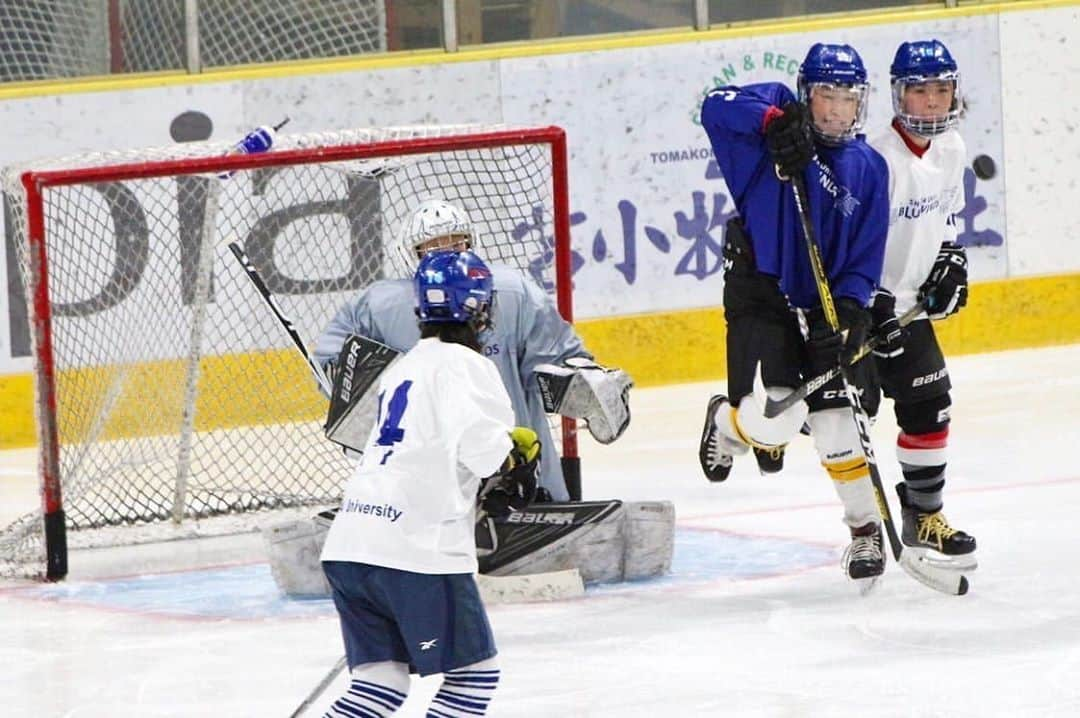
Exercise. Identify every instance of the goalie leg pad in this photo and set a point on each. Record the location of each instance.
(293, 548)
(582, 389)
(602, 541)
(605, 541)
(650, 539)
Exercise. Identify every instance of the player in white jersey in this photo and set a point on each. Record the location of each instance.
(923, 262)
(400, 555)
(529, 341)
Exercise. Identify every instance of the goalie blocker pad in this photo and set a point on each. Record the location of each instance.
(582, 389)
(352, 411)
(604, 541)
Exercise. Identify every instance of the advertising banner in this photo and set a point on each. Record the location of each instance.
(648, 204)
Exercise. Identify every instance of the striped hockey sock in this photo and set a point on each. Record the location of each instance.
(922, 460)
(465, 692)
(373, 693)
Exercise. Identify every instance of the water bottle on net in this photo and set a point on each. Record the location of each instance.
(258, 140)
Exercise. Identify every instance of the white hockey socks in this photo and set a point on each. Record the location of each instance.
(466, 692)
(838, 445)
(377, 690)
(751, 425)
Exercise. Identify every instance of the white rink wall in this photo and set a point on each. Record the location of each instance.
(647, 209)
(1041, 112)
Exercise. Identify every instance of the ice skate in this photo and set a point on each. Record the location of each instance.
(717, 451)
(864, 559)
(930, 534)
(770, 461)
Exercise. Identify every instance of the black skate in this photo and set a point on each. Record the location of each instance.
(864, 559)
(930, 532)
(770, 461)
(716, 451)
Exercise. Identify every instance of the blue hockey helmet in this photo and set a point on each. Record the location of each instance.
(837, 69)
(919, 63)
(454, 287)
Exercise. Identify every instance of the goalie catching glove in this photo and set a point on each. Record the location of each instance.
(582, 389)
(514, 486)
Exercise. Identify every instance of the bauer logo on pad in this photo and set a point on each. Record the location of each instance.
(351, 412)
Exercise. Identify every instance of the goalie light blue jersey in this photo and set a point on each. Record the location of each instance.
(848, 197)
(528, 332)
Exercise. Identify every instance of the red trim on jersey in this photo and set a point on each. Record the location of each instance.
(906, 137)
(770, 114)
(935, 440)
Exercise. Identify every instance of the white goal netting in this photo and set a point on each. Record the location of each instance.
(176, 394)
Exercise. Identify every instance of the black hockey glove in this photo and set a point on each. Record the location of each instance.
(945, 292)
(514, 487)
(887, 330)
(826, 347)
(789, 140)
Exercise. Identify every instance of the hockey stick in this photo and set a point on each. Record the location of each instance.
(941, 579)
(318, 690)
(775, 407)
(271, 301)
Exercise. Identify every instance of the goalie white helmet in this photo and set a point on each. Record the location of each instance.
(434, 224)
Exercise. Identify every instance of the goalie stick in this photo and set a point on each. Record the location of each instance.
(271, 301)
(361, 362)
(941, 579)
(775, 407)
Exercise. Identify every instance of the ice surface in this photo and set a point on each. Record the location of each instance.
(756, 618)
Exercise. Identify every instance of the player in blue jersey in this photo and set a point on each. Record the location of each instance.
(529, 338)
(400, 555)
(761, 135)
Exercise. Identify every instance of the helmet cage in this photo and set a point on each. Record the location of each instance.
(430, 221)
(927, 126)
(862, 90)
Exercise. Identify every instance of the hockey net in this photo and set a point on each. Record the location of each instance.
(166, 393)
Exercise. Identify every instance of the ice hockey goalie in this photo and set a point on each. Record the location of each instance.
(604, 541)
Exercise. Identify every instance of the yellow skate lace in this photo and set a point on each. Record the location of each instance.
(934, 527)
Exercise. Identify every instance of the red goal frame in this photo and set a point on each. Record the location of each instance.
(36, 183)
